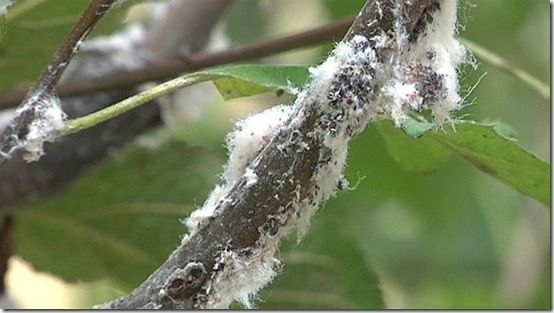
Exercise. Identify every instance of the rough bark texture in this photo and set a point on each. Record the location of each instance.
(68, 157)
(229, 248)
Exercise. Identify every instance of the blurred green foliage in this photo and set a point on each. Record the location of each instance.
(452, 238)
(35, 29)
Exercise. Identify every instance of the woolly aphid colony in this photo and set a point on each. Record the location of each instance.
(45, 108)
(363, 80)
(47, 118)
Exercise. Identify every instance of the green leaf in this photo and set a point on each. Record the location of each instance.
(499, 156)
(246, 80)
(418, 155)
(328, 270)
(121, 220)
(492, 149)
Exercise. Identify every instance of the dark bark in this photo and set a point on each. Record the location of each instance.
(67, 158)
(18, 129)
(252, 214)
(172, 65)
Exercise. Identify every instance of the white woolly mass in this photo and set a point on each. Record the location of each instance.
(48, 120)
(4, 5)
(244, 144)
(436, 50)
(354, 86)
(241, 277)
(251, 177)
(200, 216)
(250, 136)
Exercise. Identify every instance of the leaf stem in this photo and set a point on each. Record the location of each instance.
(81, 123)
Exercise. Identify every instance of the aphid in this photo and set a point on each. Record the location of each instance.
(294, 135)
(342, 184)
(430, 54)
(326, 156)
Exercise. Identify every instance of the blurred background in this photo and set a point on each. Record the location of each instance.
(454, 238)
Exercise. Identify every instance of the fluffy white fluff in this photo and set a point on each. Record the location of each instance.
(345, 99)
(436, 48)
(4, 5)
(48, 121)
(241, 277)
(250, 136)
(243, 144)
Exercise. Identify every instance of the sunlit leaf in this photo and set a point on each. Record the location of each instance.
(246, 80)
(492, 149)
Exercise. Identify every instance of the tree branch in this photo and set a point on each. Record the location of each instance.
(499, 62)
(39, 98)
(69, 47)
(229, 253)
(170, 67)
(67, 158)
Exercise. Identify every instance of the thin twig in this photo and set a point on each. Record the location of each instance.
(495, 60)
(173, 67)
(44, 87)
(52, 74)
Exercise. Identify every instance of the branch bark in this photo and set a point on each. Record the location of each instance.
(32, 106)
(230, 253)
(171, 65)
(68, 157)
